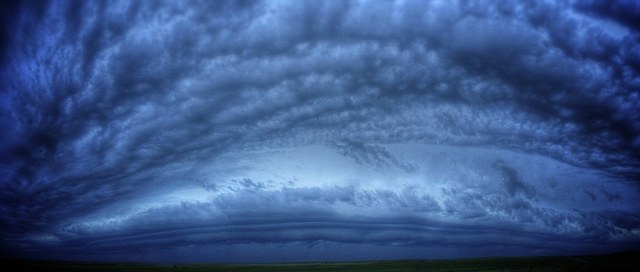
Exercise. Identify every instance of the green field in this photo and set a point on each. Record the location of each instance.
(612, 262)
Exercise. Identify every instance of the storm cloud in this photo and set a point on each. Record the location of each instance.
(221, 130)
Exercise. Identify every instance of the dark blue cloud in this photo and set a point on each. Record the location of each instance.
(623, 12)
(150, 128)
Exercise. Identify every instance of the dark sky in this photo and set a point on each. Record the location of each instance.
(248, 131)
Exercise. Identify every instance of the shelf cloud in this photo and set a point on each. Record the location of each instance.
(251, 131)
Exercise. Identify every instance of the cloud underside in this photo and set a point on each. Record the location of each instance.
(158, 124)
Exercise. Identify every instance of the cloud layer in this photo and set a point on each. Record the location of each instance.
(152, 128)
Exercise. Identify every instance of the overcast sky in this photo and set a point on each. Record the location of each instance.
(248, 131)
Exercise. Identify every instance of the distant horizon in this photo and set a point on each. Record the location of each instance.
(282, 130)
(283, 258)
(625, 252)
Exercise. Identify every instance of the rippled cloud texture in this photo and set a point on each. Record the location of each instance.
(248, 131)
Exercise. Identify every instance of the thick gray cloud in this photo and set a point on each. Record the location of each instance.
(134, 126)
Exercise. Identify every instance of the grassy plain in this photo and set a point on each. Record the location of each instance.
(613, 262)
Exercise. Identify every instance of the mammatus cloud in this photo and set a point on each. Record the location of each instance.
(399, 127)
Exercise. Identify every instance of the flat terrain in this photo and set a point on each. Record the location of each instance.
(612, 262)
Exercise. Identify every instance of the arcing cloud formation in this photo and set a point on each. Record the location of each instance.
(295, 130)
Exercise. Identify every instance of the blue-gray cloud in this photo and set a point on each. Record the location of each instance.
(133, 125)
